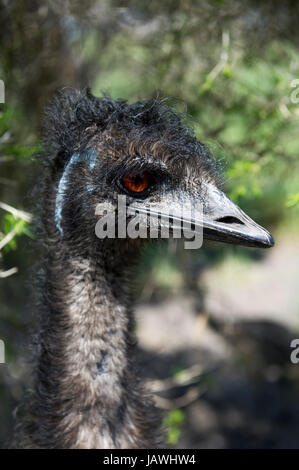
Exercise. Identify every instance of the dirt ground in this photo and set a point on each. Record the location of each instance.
(240, 389)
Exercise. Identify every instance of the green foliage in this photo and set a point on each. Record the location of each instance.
(17, 226)
(242, 102)
(11, 151)
(174, 421)
(12, 126)
(293, 200)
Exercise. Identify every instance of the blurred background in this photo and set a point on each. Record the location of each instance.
(215, 325)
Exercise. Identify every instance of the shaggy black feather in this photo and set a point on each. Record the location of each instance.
(86, 388)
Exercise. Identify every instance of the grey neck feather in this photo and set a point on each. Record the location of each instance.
(87, 394)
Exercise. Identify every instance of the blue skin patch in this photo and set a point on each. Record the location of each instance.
(89, 157)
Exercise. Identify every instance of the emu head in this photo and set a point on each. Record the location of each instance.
(99, 149)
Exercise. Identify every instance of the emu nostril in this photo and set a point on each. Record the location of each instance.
(230, 220)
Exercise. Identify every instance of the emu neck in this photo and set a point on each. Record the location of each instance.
(88, 396)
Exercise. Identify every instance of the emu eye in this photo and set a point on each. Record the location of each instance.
(137, 182)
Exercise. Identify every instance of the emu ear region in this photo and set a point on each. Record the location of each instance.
(59, 160)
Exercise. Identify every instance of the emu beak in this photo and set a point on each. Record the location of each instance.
(224, 221)
(213, 216)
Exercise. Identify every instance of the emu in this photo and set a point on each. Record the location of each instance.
(86, 391)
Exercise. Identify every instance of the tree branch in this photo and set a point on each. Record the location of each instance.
(8, 273)
(16, 212)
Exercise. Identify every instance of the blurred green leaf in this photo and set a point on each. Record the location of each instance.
(293, 200)
(174, 421)
(19, 226)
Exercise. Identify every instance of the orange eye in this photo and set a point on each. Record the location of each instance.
(136, 182)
